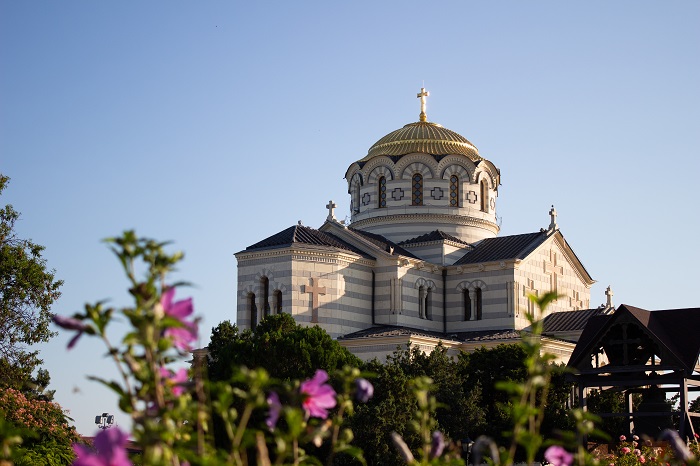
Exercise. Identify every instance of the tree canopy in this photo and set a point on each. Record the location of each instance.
(27, 291)
(278, 344)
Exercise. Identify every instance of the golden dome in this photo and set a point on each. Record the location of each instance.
(424, 137)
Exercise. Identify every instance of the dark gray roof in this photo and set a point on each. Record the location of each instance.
(383, 243)
(462, 337)
(503, 248)
(435, 235)
(299, 234)
(568, 321)
(677, 329)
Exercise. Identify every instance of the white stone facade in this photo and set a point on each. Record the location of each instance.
(405, 260)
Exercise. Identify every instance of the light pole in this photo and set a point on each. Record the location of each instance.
(104, 421)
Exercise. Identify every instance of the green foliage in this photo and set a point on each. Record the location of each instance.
(456, 410)
(27, 291)
(284, 348)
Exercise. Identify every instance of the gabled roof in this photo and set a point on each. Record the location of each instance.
(568, 321)
(676, 329)
(299, 234)
(503, 248)
(436, 235)
(383, 243)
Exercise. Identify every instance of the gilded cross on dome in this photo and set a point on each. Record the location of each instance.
(422, 95)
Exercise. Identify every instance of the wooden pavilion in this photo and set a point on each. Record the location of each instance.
(637, 351)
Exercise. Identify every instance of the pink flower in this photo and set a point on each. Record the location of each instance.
(635, 437)
(622, 438)
(557, 456)
(320, 397)
(174, 379)
(110, 445)
(273, 400)
(70, 323)
(637, 452)
(365, 390)
(437, 445)
(626, 450)
(179, 310)
(642, 459)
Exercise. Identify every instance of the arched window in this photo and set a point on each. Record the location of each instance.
(265, 285)
(421, 302)
(467, 301)
(484, 196)
(454, 191)
(417, 189)
(428, 304)
(381, 195)
(478, 304)
(253, 311)
(355, 199)
(278, 302)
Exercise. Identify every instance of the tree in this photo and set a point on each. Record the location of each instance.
(27, 291)
(285, 349)
(46, 434)
(393, 406)
(278, 344)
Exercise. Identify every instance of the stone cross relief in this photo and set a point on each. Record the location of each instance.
(315, 291)
(553, 269)
(529, 289)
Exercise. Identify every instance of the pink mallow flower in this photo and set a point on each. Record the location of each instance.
(320, 397)
(626, 450)
(182, 336)
(111, 450)
(557, 456)
(273, 400)
(70, 323)
(174, 379)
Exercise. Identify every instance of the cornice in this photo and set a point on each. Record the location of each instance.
(428, 218)
(308, 254)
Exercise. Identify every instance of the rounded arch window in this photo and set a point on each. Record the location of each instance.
(381, 197)
(417, 189)
(454, 191)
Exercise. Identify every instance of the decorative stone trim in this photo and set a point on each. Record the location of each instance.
(428, 218)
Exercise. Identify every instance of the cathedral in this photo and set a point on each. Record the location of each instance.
(420, 260)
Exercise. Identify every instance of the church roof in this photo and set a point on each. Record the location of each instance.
(435, 235)
(383, 243)
(424, 137)
(503, 248)
(568, 321)
(463, 337)
(299, 234)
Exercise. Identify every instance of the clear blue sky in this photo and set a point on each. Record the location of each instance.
(216, 124)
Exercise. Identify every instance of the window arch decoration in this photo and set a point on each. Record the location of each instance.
(464, 289)
(380, 170)
(456, 167)
(426, 290)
